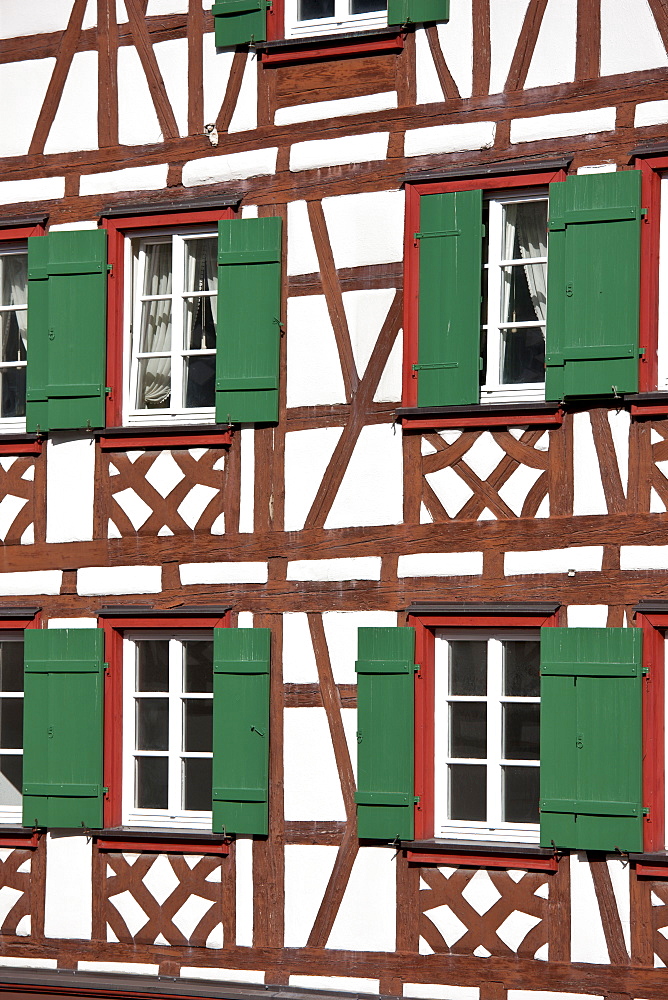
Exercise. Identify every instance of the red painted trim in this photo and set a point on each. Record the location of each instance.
(331, 51)
(648, 409)
(113, 703)
(275, 20)
(414, 192)
(650, 232)
(27, 841)
(653, 728)
(527, 863)
(494, 420)
(117, 229)
(141, 844)
(425, 627)
(650, 871)
(21, 233)
(21, 448)
(124, 442)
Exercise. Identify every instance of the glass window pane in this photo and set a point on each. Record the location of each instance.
(197, 784)
(154, 383)
(522, 355)
(525, 230)
(468, 668)
(468, 729)
(152, 723)
(11, 665)
(152, 665)
(468, 792)
(521, 731)
(520, 794)
(157, 269)
(151, 782)
(13, 392)
(199, 323)
(198, 666)
(200, 381)
(521, 669)
(13, 279)
(198, 725)
(310, 10)
(11, 776)
(156, 326)
(524, 290)
(11, 723)
(201, 265)
(367, 6)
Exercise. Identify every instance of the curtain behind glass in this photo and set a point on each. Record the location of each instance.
(156, 329)
(526, 230)
(200, 322)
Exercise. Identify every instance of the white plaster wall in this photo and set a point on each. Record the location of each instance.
(351, 568)
(247, 482)
(371, 491)
(582, 559)
(366, 311)
(244, 116)
(651, 113)
(389, 386)
(630, 39)
(313, 369)
(47, 581)
(587, 937)
(302, 257)
(366, 918)
(643, 557)
(450, 489)
(506, 19)
(587, 615)
(422, 564)
(19, 18)
(75, 124)
(620, 873)
(341, 634)
(233, 166)
(319, 110)
(26, 81)
(244, 892)
(28, 963)
(347, 983)
(550, 995)
(553, 59)
(172, 59)
(223, 572)
(68, 907)
(129, 968)
(151, 178)
(216, 66)
(456, 38)
(620, 426)
(449, 138)
(516, 488)
(307, 455)
(563, 125)
(436, 991)
(70, 487)
(299, 666)
(366, 228)
(223, 975)
(307, 872)
(315, 153)
(588, 495)
(33, 189)
(428, 86)
(311, 781)
(72, 623)
(110, 580)
(137, 121)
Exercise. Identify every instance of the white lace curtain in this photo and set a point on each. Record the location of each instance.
(14, 284)
(527, 221)
(201, 276)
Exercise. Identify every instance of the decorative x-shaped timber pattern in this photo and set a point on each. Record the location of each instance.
(485, 491)
(160, 918)
(11, 484)
(132, 475)
(11, 876)
(481, 929)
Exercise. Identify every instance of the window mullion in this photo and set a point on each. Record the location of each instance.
(139, 268)
(441, 732)
(175, 728)
(178, 308)
(495, 219)
(494, 732)
(128, 792)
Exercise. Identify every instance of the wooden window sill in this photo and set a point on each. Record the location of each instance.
(315, 47)
(154, 841)
(20, 444)
(187, 436)
(19, 836)
(469, 854)
(481, 415)
(649, 404)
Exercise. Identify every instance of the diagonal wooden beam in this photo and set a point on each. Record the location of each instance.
(336, 887)
(231, 91)
(525, 46)
(659, 9)
(156, 84)
(107, 73)
(588, 43)
(445, 78)
(332, 289)
(607, 904)
(54, 91)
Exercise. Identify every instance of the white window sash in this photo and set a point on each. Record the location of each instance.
(342, 21)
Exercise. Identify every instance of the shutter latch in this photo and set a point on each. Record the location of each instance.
(645, 811)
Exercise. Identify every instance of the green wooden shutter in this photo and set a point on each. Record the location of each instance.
(450, 286)
(385, 728)
(593, 285)
(417, 11)
(239, 21)
(67, 306)
(62, 728)
(241, 730)
(249, 328)
(591, 739)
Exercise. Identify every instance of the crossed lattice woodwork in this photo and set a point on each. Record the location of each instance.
(481, 930)
(164, 510)
(160, 917)
(12, 878)
(12, 485)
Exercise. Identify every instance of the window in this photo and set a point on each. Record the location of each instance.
(543, 332)
(171, 331)
(11, 726)
(320, 17)
(14, 342)
(168, 729)
(486, 735)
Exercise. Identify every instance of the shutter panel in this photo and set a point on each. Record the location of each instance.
(239, 21)
(385, 728)
(450, 287)
(590, 742)
(62, 754)
(67, 306)
(593, 285)
(241, 730)
(417, 11)
(249, 329)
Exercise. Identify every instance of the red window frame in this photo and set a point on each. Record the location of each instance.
(114, 628)
(414, 192)
(425, 626)
(118, 229)
(655, 632)
(326, 46)
(650, 237)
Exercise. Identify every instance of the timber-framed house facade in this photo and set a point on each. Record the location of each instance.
(334, 498)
